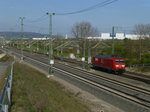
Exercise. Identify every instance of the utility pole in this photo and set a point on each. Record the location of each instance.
(22, 19)
(113, 44)
(51, 60)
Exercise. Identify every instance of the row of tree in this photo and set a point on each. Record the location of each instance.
(85, 29)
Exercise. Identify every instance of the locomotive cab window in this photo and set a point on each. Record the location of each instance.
(119, 61)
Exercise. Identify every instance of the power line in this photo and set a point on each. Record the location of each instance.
(102, 4)
(42, 18)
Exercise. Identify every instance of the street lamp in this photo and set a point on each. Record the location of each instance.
(51, 61)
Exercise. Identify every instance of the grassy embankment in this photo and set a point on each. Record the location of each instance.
(3, 78)
(33, 92)
(5, 58)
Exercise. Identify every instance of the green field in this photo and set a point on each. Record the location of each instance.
(33, 92)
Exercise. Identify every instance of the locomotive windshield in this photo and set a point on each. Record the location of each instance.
(119, 61)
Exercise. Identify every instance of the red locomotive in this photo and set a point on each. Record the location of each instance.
(112, 64)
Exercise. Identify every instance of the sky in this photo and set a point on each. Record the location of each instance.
(123, 14)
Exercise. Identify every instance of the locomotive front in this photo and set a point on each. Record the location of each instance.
(119, 65)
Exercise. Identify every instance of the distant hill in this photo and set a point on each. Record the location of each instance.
(18, 35)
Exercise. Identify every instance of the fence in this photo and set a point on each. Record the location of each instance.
(5, 98)
(144, 64)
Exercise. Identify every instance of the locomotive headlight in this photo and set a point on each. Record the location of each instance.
(117, 65)
(123, 65)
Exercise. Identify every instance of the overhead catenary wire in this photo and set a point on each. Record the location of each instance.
(101, 4)
(42, 18)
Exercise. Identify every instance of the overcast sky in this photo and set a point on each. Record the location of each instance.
(122, 13)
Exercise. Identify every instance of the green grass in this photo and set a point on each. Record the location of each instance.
(33, 92)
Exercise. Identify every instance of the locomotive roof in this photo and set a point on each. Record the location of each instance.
(102, 56)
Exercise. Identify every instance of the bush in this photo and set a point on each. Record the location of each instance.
(145, 58)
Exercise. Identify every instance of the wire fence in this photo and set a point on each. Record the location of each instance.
(5, 98)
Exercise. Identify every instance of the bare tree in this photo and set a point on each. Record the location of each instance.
(143, 32)
(83, 29)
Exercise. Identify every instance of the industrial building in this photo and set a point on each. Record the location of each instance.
(121, 36)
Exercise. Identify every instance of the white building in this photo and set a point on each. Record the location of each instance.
(132, 36)
(105, 36)
(40, 38)
(121, 36)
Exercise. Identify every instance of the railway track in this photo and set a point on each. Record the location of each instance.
(137, 76)
(127, 74)
(131, 75)
(145, 79)
(138, 95)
